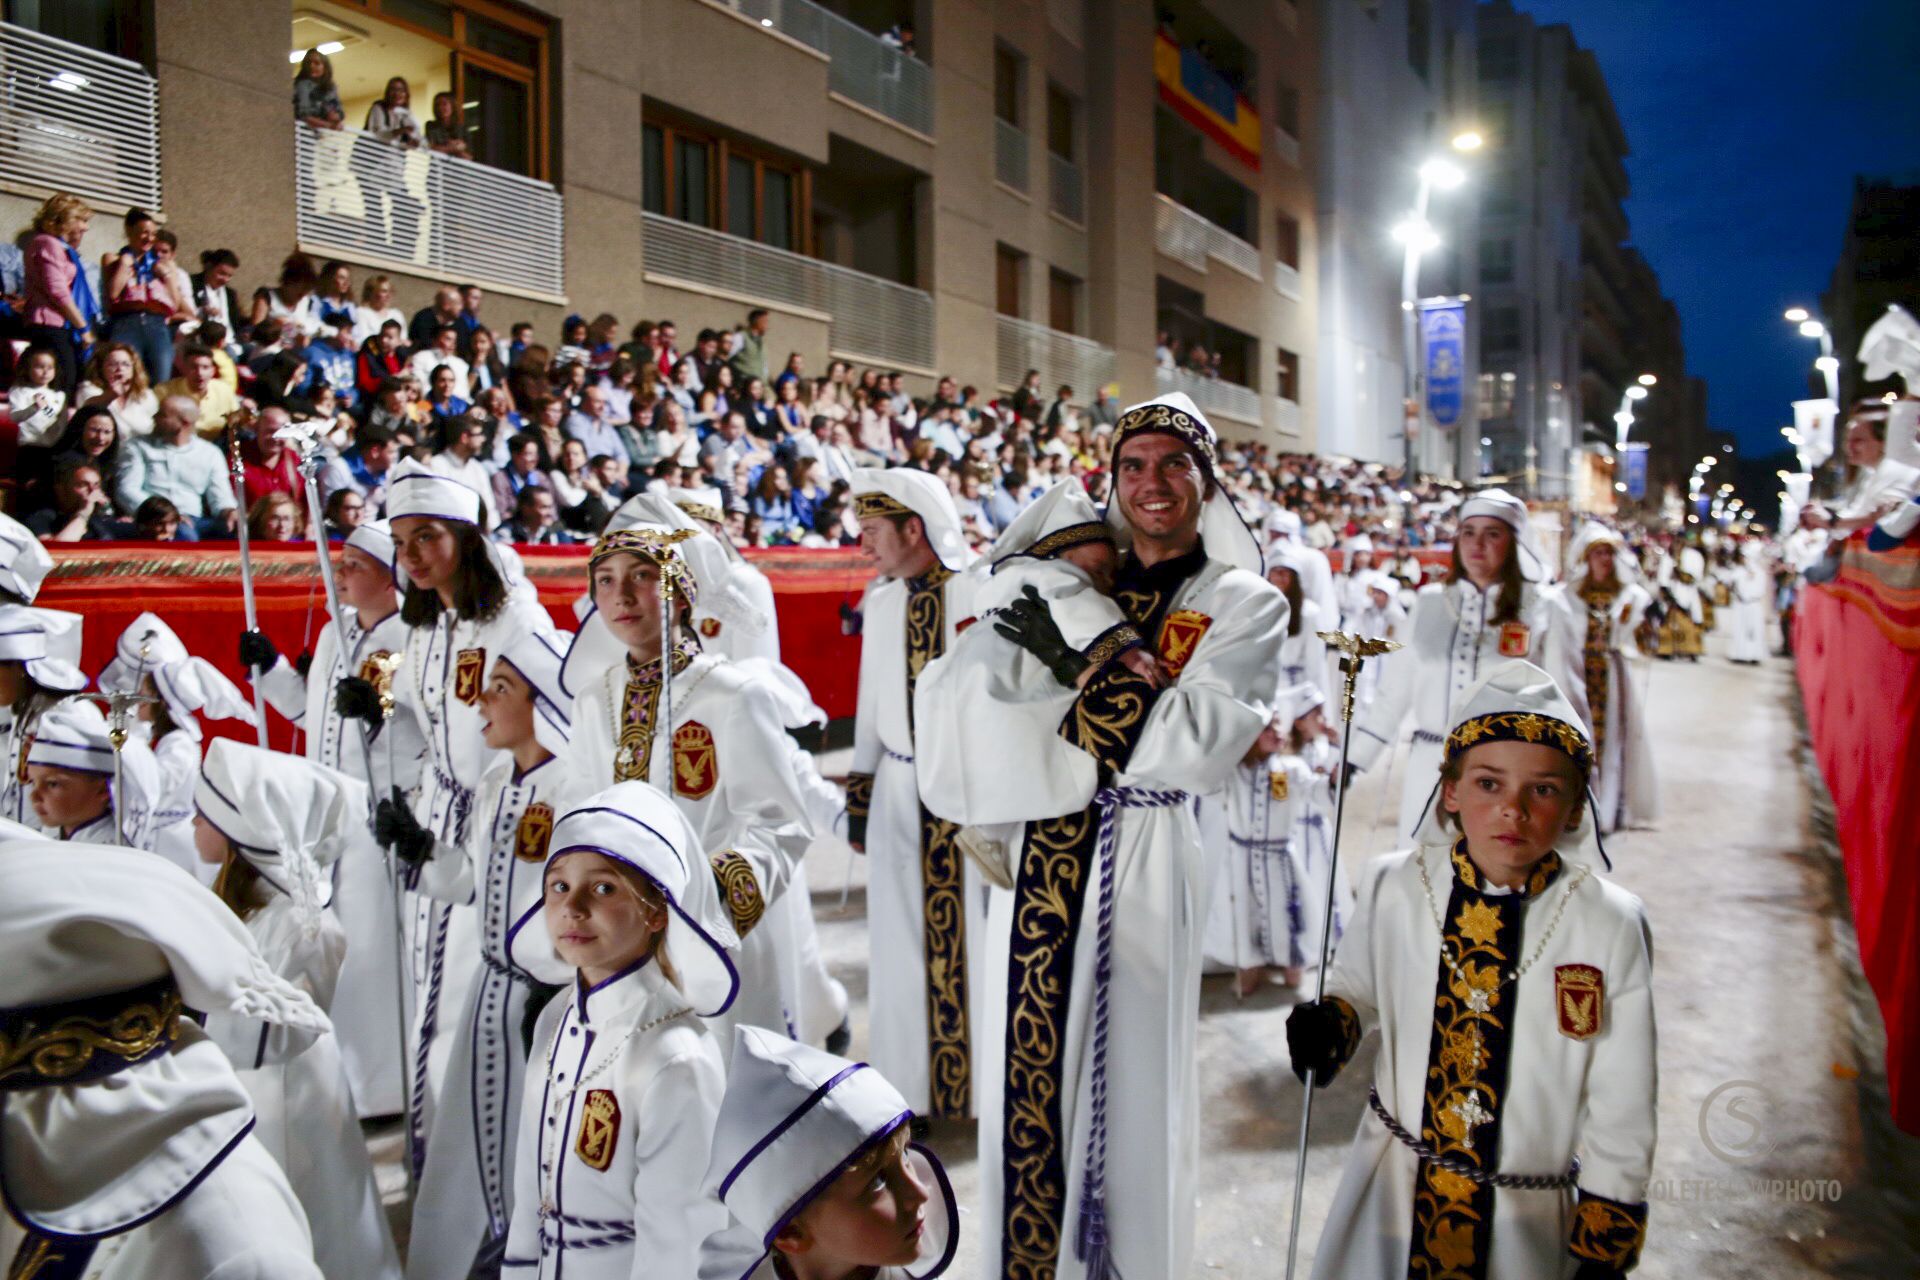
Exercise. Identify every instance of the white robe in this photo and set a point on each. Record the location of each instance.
(615, 1129)
(465, 1194)
(16, 799)
(170, 832)
(899, 1031)
(444, 667)
(304, 1113)
(370, 1016)
(748, 803)
(1593, 1096)
(1303, 656)
(1192, 738)
(1451, 641)
(1748, 639)
(1256, 910)
(1625, 785)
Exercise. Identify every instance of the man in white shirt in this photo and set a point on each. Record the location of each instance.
(444, 351)
(460, 460)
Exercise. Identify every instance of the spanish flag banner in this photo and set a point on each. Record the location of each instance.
(1204, 99)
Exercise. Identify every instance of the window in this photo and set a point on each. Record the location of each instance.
(1499, 58)
(1063, 302)
(1009, 75)
(1287, 240)
(1502, 330)
(692, 175)
(1502, 194)
(1496, 395)
(1287, 376)
(1496, 261)
(111, 26)
(1009, 280)
(1286, 109)
(1182, 175)
(1059, 122)
(1419, 36)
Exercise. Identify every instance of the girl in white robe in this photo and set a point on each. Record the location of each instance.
(618, 1117)
(1748, 585)
(274, 824)
(182, 692)
(1606, 607)
(1512, 988)
(33, 677)
(143, 1165)
(1303, 654)
(814, 1160)
(1490, 608)
(1256, 912)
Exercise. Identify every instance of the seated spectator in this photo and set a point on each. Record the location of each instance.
(667, 474)
(612, 472)
(543, 424)
(442, 350)
(772, 502)
(536, 521)
(282, 378)
(707, 358)
(316, 102)
(503, 422)
(444, 310)
(35, 401)
(332, 362)
(460, 443)
(568, 480)
(81, 510)
(276, 517)
(800, 443)
(573, 343)
(569, 383)
(176, 464)
(378, 359)
(362, 467)
(376, 311)
(681, 387)
(290, 301)
(790, 415)
(730, 444)
(443, 401)
(707, 411)
(213, 400)
(758, 404)
(333, 303)
(445, 133)
(794, 372)
(271, 467)
(158, 520)
(592, 428)
(214, 300)
(93, 437)
(522, 472)
(748, 524)
(485, 368)
(837, 459)
(585, 503)
(393, 407)
(807, 492)
(344, 510)
(623, 381)
(117, 381)
(600, 345)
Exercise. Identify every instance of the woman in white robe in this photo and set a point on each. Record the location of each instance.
(1496, 603)
(274, 825)
(1747, 580)
(144, 1165)
(1607, 606)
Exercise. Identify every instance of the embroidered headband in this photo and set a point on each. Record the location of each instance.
(868, 505)
(1164, 419)
(1521, 726)
(701, 510)
(1074, 535)
(657, 546)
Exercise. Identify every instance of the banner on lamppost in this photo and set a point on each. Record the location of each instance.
(1443, 337)
(1813, 421)
(1633, 461)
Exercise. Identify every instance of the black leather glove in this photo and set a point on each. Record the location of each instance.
(257, 653)
(1029, 623)
(857, 829)
(539, 995)
(1348, 773)
(1591, 1270)
(304, 663)
(850, 620)
(1316, 1042)
(395, 827)
(357, 699)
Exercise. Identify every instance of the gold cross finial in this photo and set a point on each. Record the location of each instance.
(1354, 649)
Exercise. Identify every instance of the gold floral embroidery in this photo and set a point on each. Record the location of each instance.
(739, 889)
(1109, 714)
(55, 1044)
(1520, 726)
(1607, 1231)
(1479, 922)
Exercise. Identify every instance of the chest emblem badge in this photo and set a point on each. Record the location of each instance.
(1580, 995)
(599, 1130)
(468, 669)
(1516, 639)
(530, 839)
(696, 766)
(1179, 637)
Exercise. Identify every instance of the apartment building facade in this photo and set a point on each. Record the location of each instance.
(1039, 184)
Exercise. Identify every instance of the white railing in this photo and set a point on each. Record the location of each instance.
(1066, 183)
(1286, 281)
(424, 212)
(1286, 146)
(1226, 399)
(1185, 236)
(1287, 417)
(866, 69)
(73, 119)
(1010, 154)
(869, 318)
(1061, 358)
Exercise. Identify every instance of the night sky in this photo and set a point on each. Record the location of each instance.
(1747, 123)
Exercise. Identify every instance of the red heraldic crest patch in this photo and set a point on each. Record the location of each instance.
(1179, 637)
(1515, 639)
(709, 627)
(530, 839)
(696, 767)
(599, 1130)
(468, 671)
(1580, 995)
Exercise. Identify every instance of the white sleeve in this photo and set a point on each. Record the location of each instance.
(1617, 1123)
(673, 1214)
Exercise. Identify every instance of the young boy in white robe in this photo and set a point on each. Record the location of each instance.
(33, 676)
(137, 1162)
(70, 770)
(274, 825)
(619, 1114)
(1512, 987)
(464, 1202)
(814, 1158)
(182, 690)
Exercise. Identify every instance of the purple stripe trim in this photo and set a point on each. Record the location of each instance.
(793, 1118)
(799, 1206)
(193, 1184)
(953, 1213)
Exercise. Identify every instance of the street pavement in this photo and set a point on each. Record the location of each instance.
(1769, 1166)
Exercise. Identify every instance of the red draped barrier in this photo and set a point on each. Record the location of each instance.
(196, 589)
(1862, 695)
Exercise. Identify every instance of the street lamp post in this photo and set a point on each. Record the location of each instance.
(1623, 423)
(1828, 364)
(1417, 238)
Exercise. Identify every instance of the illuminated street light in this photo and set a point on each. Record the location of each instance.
(1444, 175)
(1812, 327)
(1796, 314)
(1636, 393)
(1648, 380)
(1418, 235)
(1468, 140)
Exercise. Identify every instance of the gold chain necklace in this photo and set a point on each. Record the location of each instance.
(1480, 999)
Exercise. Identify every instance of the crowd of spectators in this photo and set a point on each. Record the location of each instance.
(127, 396)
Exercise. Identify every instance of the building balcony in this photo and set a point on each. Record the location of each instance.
(1063, 359)
(869, 319)
(1066, 188)
(1186, 237)
(1010, 165)
(427, 214)
(1215, 398)
(73, 119)
(1287, 282)
(1287, 419)
(865, 70)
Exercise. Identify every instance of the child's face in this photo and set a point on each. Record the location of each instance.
(1098, 560)
(1513, 800)
(598, 921)
(506, 709)
(870, 1216)
(65, 798)
(626, 591)
(208, 842)
(40, 370)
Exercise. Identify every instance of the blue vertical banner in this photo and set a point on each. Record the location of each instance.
(1634, 463)
(1443, 337)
